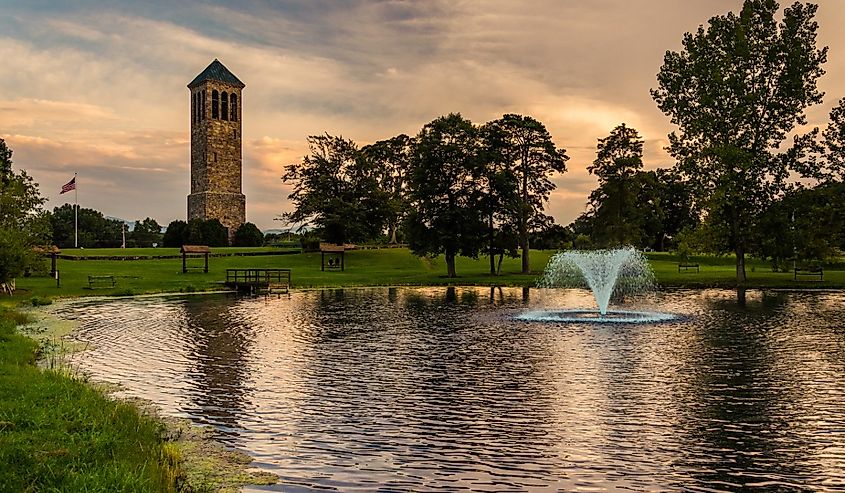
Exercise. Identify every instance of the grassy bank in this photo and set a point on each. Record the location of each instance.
(59, 434)
(373, 268)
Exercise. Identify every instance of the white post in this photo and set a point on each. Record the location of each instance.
(75, 212)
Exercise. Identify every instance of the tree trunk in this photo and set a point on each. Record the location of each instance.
(450, 265)
(391, 232)
(499, 268)
(524, 213)
(740, 264)
(526, 269)
(490, 251)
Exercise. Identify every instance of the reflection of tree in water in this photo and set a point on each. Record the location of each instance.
(417, 377)
(219, 347)
(733, 414)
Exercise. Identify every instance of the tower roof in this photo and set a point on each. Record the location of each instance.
(216, 71)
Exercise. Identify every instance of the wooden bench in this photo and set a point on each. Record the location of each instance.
(809, 272)
(687, 266)
(101, 282)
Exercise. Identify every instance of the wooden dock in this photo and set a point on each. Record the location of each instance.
(259, 280)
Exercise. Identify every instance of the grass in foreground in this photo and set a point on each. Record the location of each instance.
(59, 434)
(393, 267)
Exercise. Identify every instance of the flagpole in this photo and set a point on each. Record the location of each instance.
(75, 212)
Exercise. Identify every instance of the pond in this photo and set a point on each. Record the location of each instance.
(442, 389)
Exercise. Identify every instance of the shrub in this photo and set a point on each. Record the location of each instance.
(39, 301)
(213, 233)
(176, 234)
(248, 235)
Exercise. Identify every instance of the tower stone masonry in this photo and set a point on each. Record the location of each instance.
(216, 154)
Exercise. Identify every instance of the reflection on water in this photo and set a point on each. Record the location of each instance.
(439, 389)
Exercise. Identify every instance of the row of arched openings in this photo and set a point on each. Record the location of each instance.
(224, 106)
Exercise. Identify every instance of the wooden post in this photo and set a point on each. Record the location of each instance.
(322, 261)
(342, 256)
(184, 263)
(206, 263)
(53, 257)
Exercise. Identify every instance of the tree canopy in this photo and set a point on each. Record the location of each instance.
(95, 230)
(23, 223)
(619, 157)
(444, 191)
(736, 90)
(338, 190)
(146, 233)
(528, 152)
(389, 160)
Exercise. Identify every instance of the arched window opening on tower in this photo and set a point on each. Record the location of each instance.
(215, 99)
(234, 104)
(202, 106)
(224, 106)
(193, 107)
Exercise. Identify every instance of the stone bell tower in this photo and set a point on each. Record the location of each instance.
(216, 156)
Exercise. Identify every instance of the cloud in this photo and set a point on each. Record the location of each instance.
(99, 87)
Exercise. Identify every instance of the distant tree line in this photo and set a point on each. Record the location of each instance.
(455, 189)
(97, 231)
(211, 233)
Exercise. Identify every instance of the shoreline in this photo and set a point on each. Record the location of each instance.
(195, 460)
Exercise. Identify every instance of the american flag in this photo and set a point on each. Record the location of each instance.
(67, 187)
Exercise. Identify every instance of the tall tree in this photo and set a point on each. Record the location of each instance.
(500, 192)
(389, 159)
(23, 223)
(338, 190)
(736, 90)
(528, 149)
(443, 191)
(619, 157)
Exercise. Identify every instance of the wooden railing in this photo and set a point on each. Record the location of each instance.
(261, 277)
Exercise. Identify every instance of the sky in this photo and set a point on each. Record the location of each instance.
(99, 87)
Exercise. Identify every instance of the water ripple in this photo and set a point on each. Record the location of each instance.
(442, 390)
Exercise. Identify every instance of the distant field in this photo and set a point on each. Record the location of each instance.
(366, 268)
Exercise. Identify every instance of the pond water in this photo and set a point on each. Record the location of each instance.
(441, 389)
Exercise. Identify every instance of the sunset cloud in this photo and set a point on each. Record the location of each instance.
(99, 88)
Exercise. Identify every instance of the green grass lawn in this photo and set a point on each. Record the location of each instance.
(158, 252)
(59, 434)
(372, 268)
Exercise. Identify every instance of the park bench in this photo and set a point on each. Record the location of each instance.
(101, 282)
(809, 272)
(687, 266)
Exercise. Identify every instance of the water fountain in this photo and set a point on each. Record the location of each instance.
(621, 272)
